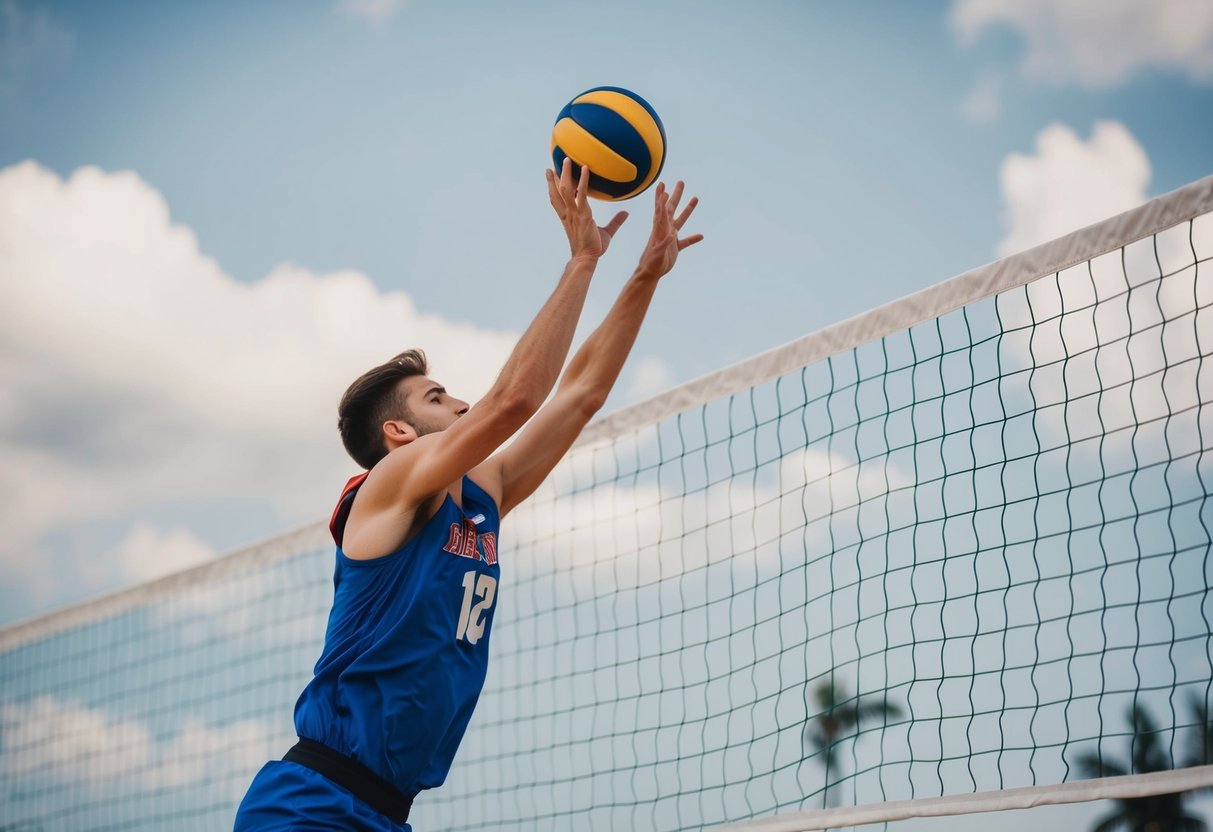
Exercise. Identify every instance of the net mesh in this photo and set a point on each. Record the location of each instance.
(968, 555)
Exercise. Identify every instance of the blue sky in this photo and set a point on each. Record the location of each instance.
(845, 155)
(213, 216)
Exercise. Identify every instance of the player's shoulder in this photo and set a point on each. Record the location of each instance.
(387, 478)
(379, 519)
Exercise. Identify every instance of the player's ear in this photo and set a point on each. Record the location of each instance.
(399, 432)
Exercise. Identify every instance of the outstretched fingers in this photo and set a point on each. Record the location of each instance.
(686, 213)
(554, 194)
(675, 197)
(566, 176)
(659, 199)
(616, 221)
(681, 219)
(661, 209)
(689, 241)
(583, 186)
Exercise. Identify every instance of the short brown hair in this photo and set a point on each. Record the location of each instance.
(371, 400)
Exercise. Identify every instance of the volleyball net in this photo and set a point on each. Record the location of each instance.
(950, 555)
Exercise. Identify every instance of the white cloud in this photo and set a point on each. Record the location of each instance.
(650, 376)
(376, 11)
(137, 373)
(47, 736)
(66, 741)
(1068, 183)
(1099, 43)
(147, 552)
(192, 754)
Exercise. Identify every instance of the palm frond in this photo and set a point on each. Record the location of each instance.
(1149, 752)
(1200, 749)
(826, 695)
(877, 708)
(1091, 764)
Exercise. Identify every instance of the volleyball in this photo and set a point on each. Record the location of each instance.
(617, 134)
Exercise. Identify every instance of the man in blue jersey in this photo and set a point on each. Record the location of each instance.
(406, 649)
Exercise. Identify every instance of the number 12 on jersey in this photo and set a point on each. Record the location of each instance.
(471, 618)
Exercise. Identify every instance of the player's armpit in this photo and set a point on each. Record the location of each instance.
(487, 475)
(519, 469)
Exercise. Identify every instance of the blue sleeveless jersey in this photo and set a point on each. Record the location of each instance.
(407, 645)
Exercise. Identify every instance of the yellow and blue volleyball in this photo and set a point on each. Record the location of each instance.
(617, 134)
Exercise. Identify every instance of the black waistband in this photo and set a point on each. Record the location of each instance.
(365, 784)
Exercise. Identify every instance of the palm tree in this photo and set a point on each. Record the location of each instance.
(1200, 751)
(839, 717)
(1157, 813)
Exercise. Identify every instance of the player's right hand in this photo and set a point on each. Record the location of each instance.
(664, 243)
(572, 204)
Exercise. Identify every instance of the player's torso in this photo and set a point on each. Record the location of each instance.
(406, 650)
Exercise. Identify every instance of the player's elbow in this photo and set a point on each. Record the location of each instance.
(588, 400)
(593, 402)
(517, 405)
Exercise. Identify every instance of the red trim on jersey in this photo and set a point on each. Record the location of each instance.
(342, 512)
(454, 543)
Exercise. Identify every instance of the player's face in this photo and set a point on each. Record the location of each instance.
(432, 408)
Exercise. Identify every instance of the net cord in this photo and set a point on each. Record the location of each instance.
(1126, 787)
(1157, 215)
(246, 558)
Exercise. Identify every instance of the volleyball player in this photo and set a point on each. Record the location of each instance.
(416, 582)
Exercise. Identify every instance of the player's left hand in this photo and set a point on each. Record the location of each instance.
(572, 204)
(664, 243)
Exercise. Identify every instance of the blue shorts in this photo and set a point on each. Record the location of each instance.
(288, 796)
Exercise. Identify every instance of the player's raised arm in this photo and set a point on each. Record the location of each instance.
(517, 471)
(422, 466)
